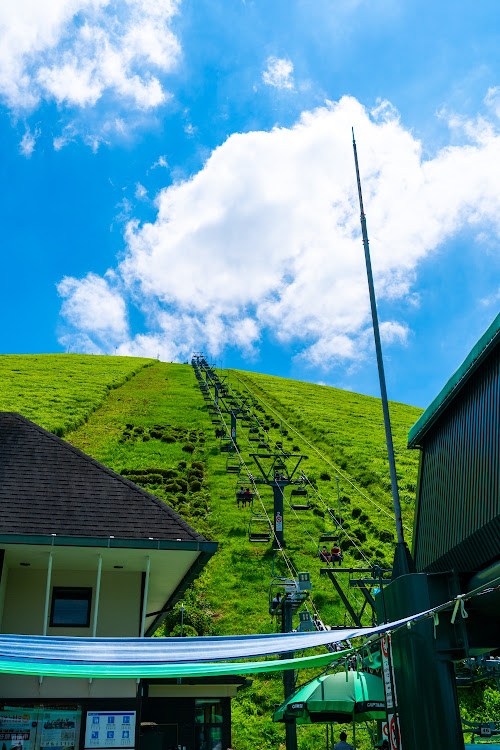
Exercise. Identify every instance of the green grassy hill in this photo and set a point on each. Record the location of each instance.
(148, 421)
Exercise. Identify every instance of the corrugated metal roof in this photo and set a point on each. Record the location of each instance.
(489, 339)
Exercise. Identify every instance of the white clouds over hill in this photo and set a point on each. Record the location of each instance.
(74, 52)
(266, 237)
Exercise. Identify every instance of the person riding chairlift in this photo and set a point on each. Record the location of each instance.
(248, 496)
(275, 608)
(240, 497)
(336, 555)
(323, 555)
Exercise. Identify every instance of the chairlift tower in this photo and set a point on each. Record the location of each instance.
(277, 475)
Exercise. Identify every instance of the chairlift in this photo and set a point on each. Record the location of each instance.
(328, 536)
(263, 446)
(299, 499)
(245, 493)
(233, 465)
(296, 590)
(226, 445)
(259, 529)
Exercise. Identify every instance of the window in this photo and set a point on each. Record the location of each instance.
(208, 729)
(70, 607)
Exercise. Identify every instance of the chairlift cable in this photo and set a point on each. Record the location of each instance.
(324, 458)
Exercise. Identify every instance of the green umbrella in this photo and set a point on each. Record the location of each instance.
(342, 697)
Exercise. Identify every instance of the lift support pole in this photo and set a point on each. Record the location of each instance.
(288, 674)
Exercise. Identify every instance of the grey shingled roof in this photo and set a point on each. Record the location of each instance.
(47, 486)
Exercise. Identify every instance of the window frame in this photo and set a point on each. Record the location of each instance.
(85, 595)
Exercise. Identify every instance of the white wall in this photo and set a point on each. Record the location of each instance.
(119, 602)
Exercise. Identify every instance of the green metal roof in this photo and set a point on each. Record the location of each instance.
(479, 351)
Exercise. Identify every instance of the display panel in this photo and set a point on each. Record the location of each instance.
(58, 730)
(113, 729)
(18, 728)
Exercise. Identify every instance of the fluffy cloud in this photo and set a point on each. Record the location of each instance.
(95, 310)
(265, 239)
(279, 73)
(75, 52)
(28, 141)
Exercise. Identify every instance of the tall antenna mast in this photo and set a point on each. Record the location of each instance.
(380, 362)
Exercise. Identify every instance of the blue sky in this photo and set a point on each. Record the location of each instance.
(178, 175)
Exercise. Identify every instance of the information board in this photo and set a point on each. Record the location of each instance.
(113, 729)
(18, 728)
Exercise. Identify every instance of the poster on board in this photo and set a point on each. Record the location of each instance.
(58, 730)
(113, 729)
(18, 728)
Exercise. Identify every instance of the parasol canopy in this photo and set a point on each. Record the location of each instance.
(342, 697)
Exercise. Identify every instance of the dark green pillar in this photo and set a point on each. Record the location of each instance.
(425, 694)
(288, 675)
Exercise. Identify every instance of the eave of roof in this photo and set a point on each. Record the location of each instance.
(480, 350)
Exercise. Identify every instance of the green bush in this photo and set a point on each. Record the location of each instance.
(195, 486)
(188, 448)
(356, 512)
(168, 439)
(325, 476)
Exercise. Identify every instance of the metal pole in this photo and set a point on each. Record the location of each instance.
(338, 498)
(289, 674)
(97, 593)
(145, 598)
(278, 514)
(182, 619)
(380, 362)
(47, 599)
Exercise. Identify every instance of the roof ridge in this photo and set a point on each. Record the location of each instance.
(164, 507)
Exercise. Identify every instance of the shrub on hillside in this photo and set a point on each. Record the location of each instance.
(165, 438)
(197, 465)
(195, 486)
(356, 512)
(386, 536)
(188, 448)
(325, 476)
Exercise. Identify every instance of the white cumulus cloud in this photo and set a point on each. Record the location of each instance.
(76, 52)
(279, 73)
(95, 309)
(265, 239)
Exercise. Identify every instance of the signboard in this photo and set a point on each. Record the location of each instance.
(110, 729)
(279, 522)
(390, 693)
(58, 730)
(18, 728)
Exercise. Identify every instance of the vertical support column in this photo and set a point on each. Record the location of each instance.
(288, 675)
(233, 427)
(216, 395)
(145, 598)
(97, 594)
(96, 601)
(47, 600)
(279, 534)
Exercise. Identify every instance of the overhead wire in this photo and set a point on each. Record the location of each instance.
(323, 457)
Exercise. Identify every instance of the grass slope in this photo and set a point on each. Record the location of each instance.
(59, 391)
(155, 429)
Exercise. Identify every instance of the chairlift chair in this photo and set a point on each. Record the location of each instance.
(233, 465)
(299, 499)
(259, 529)
(245, 492)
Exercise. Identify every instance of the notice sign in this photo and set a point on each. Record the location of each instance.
(59, 730)
(110, 729)
(18, 728)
